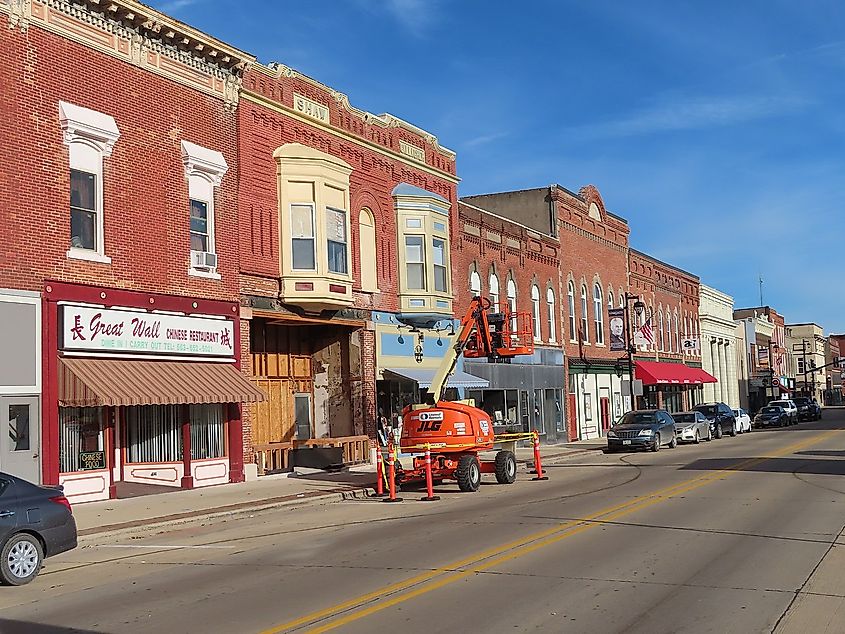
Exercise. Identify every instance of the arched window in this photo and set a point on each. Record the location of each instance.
(475, 283)
(677, 334)
(598, 313)
(660, 326)
(571, 297)
(550, 302)
(622, 301)
(367, 250)
(610, 298)
(512, 303)
(668, 332)
(535, 311)
(494, 292)
(585, 319)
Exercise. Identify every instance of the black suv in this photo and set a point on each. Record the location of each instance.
(808, 408)
(721, 417)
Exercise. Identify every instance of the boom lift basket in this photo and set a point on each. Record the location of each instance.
(511, 334)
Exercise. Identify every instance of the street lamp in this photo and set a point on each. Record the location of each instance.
(639, 307)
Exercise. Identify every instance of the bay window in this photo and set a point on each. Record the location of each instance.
(440, 270)
(415, 263)
(303, 238)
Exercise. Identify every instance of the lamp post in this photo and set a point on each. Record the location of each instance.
(639, 307)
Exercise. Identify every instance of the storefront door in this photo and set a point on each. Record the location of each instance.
(19, 446)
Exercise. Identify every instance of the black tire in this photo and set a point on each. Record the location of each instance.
(718, 431)
(733, 431)
(709, 434)
(656, 445)
(22, 558)
(674, 442)
(468, 474)
(697, 438)
(505, 467)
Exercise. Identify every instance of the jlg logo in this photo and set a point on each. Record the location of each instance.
(430, 425)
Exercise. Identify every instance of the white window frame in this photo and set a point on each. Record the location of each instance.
(313, 237)
(475, 283)
(668, 332)
(435, 266)
(204, 171)
(598, 313)
(494, 292)
(662, 340)
(535, 312)
(511, 295)
(573, 321)
(421, 237)
(90, 137)
(326, 212)
(585, 315)
(550, 303)
(367, 250)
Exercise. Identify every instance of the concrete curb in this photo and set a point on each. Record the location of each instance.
(89, 535)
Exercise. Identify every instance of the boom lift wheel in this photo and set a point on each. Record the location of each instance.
(468, 473)
(505, 467)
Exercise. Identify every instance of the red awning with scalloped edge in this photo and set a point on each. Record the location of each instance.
(657, 373)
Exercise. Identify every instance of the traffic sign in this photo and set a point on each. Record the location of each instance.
(775, 382)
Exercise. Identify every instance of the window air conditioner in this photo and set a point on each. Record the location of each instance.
(203, 260)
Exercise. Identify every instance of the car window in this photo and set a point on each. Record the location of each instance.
(771, 410)
(707, 410)
(684, 418)
(779, 404)
(4, 486)
(639, 418)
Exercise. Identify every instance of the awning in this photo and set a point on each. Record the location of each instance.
(87, 382)
(656, 373)
(423, 377)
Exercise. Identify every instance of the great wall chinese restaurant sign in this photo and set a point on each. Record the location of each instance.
(121, 331)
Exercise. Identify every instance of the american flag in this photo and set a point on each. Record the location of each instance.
(647, 333)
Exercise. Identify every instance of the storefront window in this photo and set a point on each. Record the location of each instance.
(524, 410)
(539, 425)
(155, 433)
(80, 431)
(207, 431)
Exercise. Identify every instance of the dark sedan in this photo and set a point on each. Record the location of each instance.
(771, 416)
(35, 522)
(642, 429)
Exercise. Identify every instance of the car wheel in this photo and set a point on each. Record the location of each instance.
(674, 442)
(697, 438)
(733, 430)
(656, 446)
(709, 434)
(21, 561)
(718, 431)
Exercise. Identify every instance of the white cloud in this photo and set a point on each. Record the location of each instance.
(176, 5)
(484, 139)
(695, 113)
(415, 16)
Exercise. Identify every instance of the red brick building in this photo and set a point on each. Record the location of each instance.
(346, 224)
(120, 265)
(671, 296)
(518, 269)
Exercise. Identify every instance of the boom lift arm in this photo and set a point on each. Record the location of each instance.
(484, 334)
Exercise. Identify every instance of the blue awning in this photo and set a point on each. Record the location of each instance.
(423, 377)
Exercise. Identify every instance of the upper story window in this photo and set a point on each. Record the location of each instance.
(585, 319)
(415, 262)
(90, 137)
(494, 292)
(598, 309)
(512, 303)
(424, 263)
(677, 334)
(367, 250)
(610, 298)
(314, 217)
(475, 284)
(550, 302)
(668, 332)
(660, 328)
(204, 170)
(573, 335)
(535, 311)
(336, 239)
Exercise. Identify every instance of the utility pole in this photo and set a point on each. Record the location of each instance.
(804, 357)
(760, 281)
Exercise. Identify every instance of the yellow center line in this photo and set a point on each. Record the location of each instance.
(491, 557)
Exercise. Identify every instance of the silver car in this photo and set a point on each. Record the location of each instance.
(691, 427)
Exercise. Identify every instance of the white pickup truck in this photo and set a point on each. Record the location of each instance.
(789, 407)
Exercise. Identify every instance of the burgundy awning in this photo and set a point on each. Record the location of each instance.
(656, 373)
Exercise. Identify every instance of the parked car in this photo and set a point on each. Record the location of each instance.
(35, 522)
(743, 420)
(692, 427)
(771, 416)
(789, 407)
(642, 429)
(721, 417)
(808, 408)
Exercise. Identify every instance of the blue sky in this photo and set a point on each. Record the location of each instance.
(715, 128)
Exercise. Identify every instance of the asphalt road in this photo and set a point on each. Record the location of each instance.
(737, 535)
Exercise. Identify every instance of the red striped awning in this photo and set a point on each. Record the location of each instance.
(85, 382)
(656, 373)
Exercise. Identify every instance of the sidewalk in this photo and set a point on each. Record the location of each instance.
(151, 511)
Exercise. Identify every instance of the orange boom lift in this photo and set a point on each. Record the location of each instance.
(456, 431)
